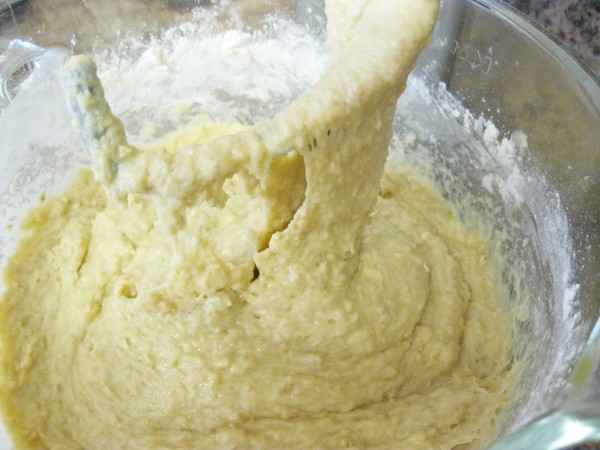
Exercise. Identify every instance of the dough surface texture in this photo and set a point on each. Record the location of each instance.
(271, 286)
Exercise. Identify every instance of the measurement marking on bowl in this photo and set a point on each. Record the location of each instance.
(479, 60)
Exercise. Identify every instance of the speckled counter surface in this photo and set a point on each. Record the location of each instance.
(576, 23)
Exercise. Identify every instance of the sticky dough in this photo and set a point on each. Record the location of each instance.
(276, 286)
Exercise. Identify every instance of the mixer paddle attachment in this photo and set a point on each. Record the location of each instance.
(102, 132)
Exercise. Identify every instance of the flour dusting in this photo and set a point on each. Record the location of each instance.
(488, 176)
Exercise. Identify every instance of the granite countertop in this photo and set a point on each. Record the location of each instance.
(576, 23)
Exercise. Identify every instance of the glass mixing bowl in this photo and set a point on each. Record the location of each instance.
(505, 121)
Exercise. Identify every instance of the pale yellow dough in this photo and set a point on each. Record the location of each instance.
(218, 296)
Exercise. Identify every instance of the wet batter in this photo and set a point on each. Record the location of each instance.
(277, 286)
